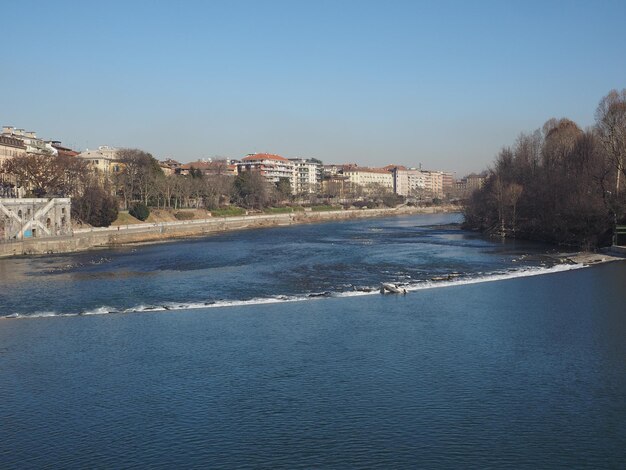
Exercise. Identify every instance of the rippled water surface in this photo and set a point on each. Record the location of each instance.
(497, 366)
(272, 265)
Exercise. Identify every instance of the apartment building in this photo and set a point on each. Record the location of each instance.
(414, 182)
(272, 167)
(209, 168)
(10, 147)
(307, 175)
(104, 160)
(32, 143)
(369, 177)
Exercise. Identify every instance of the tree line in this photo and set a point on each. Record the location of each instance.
(560, 184)
(96, 197)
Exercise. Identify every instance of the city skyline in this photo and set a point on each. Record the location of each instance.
(444, 85)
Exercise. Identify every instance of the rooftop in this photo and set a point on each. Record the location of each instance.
(264, 156)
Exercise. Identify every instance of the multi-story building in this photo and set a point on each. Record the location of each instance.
(413, 182)
(209, 168)
(170, 166)
(10, 147)
(448, 182)
(272, 167)
(307, 175)
(335, 169)
(103, 160)
(335, 186)
(62, 150)
(368, 178)
(434, 183)
(31, 141)
(474, 181)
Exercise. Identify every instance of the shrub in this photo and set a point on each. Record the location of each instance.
(184, 215)
(392, 200)
(139, 211)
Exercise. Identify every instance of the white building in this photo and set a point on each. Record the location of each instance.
(307, 175)
(272, 167)
(31, 141)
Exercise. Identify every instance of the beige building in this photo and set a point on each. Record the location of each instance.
(10, 147)
(369, 177)
(103, 160)
(411, 182)
(32, 143)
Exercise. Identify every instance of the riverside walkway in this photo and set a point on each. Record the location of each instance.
(93, 237)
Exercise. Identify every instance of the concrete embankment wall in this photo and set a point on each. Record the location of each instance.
(84, 239)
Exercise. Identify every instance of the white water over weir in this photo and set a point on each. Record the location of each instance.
(373, 290)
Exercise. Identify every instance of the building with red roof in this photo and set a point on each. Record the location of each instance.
(271, 166)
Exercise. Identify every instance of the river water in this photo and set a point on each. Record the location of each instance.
(273, 349)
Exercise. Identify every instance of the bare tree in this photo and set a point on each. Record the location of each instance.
(611, 125)
(47, 174)
(137, 180)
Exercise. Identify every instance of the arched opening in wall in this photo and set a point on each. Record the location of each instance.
(19, 213)
(62, 210)
(48, 222)
(62, 221)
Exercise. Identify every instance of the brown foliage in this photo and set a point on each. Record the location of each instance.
(47, 174)
(562, 197)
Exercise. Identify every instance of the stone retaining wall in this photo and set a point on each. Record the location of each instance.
(84, 239)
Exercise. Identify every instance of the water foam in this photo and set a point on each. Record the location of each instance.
(364, 291)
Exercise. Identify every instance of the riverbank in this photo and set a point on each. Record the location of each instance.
(104, 237)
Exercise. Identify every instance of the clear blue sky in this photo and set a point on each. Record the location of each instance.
(443, 83)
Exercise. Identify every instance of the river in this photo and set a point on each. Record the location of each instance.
(273, 349)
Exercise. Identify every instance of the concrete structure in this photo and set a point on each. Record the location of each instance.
(34, 218)
(272, 167)
(308, 175)
(84, 239)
